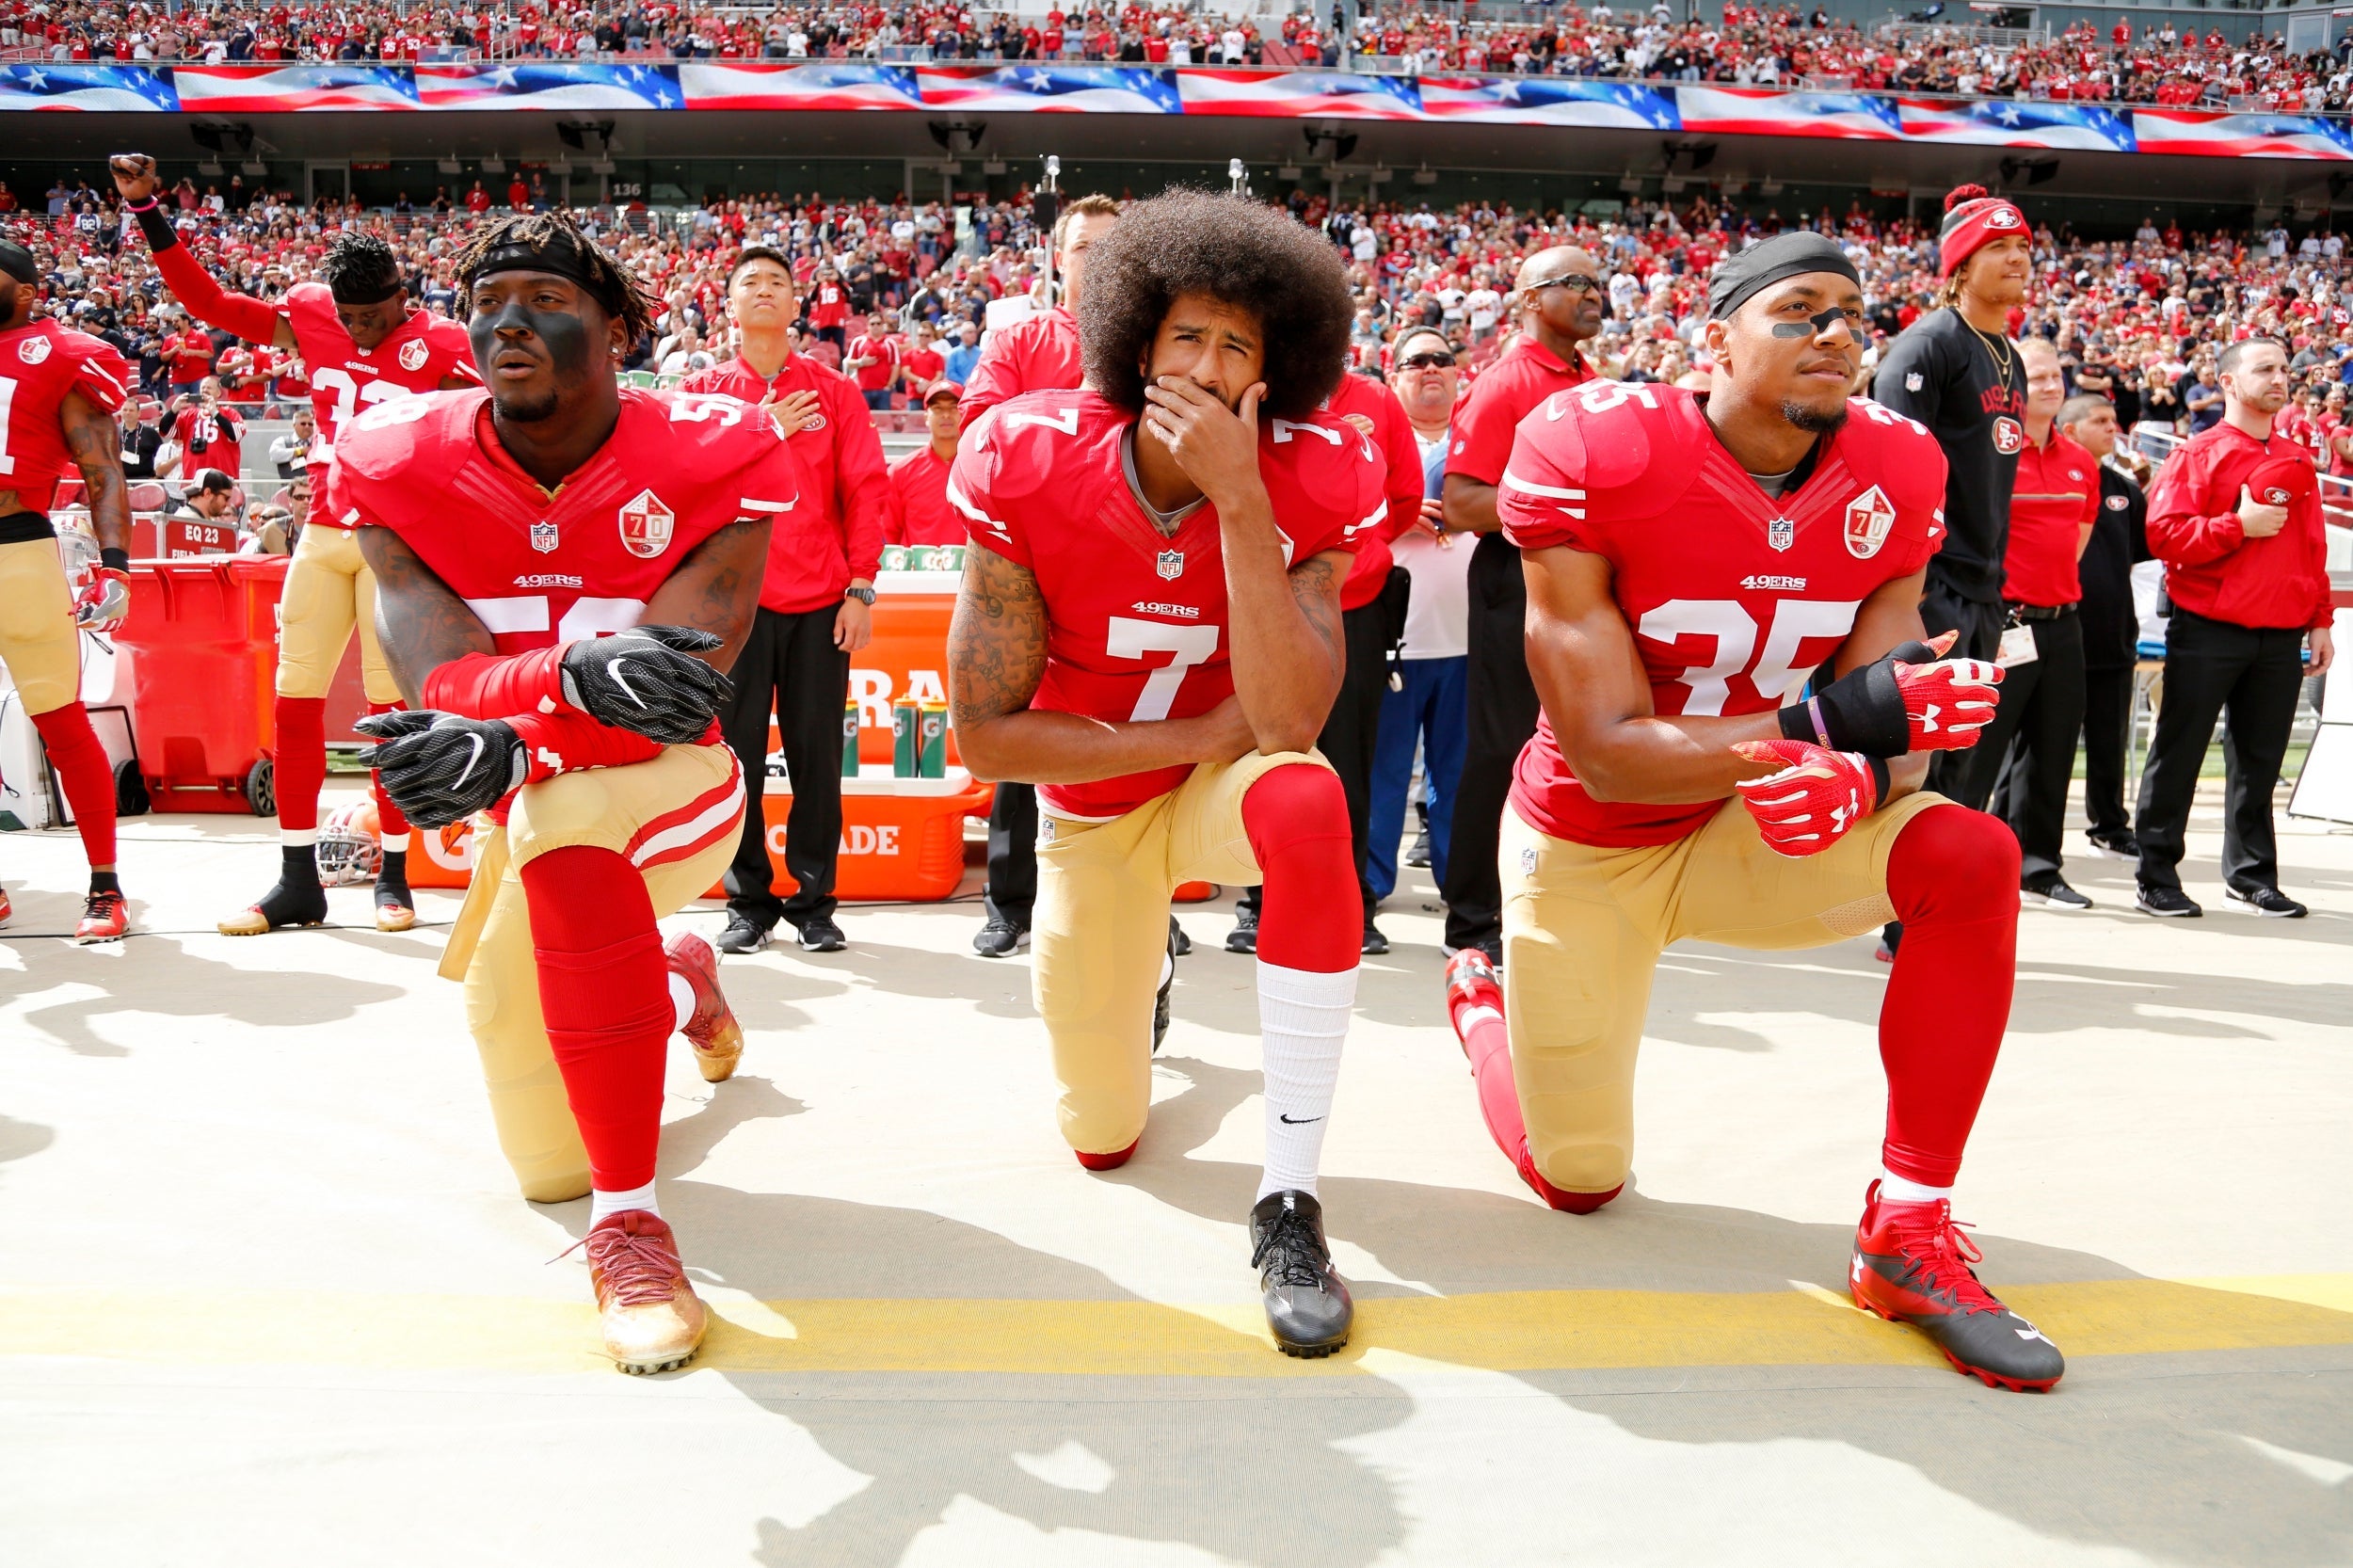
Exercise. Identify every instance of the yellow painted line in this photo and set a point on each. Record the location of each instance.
(1509, 1331)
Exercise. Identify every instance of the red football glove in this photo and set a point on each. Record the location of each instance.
(1947, 703)
(1815, 797)
(104, 602)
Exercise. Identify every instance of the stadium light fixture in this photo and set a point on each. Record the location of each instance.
(994, 166)
(1768, 186)
(253, 167)
(450, 165)
(1425, 175)
(1291, 173)
(494, 164)
(210, 168)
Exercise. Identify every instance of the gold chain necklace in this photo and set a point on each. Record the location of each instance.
(2000, 356)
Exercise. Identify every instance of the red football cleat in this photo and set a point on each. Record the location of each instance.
(711, 1028)
(5, 913)
(104, 917)
(1911, 1265)
(1105, 1161)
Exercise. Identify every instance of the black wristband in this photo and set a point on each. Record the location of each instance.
(155, 226)
(119, 560)
(1861, 711)
(1880, 776)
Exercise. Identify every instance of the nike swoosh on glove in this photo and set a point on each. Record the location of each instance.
(1815, 797)
(106, 600)
(649, 680)
(440, 768)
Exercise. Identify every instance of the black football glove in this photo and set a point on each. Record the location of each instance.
(647, 681)
(439, 768)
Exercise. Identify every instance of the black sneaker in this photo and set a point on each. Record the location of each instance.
(742, 935)
(1244, 936)
(1168, 984)
(1375, 944)
(2165, 903)
(1179, 943)
(1307, 1304)
(1417, 852)
(2268, 901)
(2055, 894)
(820, 935)
(1001, 937)
(2113, 846)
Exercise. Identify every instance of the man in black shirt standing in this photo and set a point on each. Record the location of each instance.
(2110, 626)
(1956, 371)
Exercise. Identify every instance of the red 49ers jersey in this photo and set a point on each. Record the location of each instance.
(1734, 597)
(1136, 622)
(539, 569)
(39, 363)
(421, 354)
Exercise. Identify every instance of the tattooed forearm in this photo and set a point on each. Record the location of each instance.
(1315, 587)
(421, 622)
(95, 443)
(717, 590)
(996, 641)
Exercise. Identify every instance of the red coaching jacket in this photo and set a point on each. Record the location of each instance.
(1401, 459)
(836, 533)
(2212, 568)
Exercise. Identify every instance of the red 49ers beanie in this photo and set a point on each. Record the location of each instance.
(1974, 218)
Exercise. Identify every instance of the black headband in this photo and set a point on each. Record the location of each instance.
(1741, 278)
(563, 257)
(348, 295)
(18, 262)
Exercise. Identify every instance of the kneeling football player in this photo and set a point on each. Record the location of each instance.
(1691, 561)
(1149, 631)
(563, 570)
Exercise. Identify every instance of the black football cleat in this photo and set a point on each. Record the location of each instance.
(1911, 1265)
(1168, 984)
(1179, 943)
(1307, 1306)
(1244, 936)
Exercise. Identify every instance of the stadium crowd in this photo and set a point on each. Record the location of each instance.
(899, 295)
(1743, 45)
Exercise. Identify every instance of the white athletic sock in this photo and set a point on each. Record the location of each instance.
(681, 1001)
(602, 1203)
(299, 838)
(1303, 1022)
(396, 843)
(1895, 1188)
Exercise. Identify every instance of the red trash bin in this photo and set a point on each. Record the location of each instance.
(202, 642)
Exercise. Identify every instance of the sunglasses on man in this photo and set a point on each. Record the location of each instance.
(1432, 360)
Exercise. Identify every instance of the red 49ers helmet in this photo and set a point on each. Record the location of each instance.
(2282, 481)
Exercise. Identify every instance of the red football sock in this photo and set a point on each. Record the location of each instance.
(389, 821)
(88, 777)
(1477, 1014)
(604, 991)
(1312, 917)
(299, 761)
(1953, 877)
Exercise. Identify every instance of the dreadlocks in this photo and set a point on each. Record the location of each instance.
(551, 241)
(359, 270)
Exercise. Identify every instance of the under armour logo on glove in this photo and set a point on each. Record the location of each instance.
(647, 681)
(1814, 801)
(104, 602)
(1947, 703)
(439, 768)
(1910, 699)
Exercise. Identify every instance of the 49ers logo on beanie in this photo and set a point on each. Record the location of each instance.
(1974, 218)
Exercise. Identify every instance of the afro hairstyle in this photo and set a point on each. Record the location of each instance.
(1237, 252)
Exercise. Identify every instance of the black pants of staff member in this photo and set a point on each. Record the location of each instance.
(790, 661)
(2107, 724)
(1011, 891)
(1979, 623)
(2214, 668)
(1503, 709)
(1350, 733)
(2024, 759)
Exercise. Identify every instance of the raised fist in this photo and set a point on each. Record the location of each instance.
(439, 768)
(1814, 799)
(134, 175)
(647, 681)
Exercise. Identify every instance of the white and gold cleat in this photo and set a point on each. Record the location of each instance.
(651, 1318)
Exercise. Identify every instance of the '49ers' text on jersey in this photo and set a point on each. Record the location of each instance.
(538, 569)
(1136, 620)
(1734, 597)
(39, 363)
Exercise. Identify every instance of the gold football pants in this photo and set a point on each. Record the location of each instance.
(38, 641)
(328, 590)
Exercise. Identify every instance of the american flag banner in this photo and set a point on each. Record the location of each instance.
(2016, 122)
(2204, 134)
(828, 84)
(245, 89)
(517, 85)
(1547, 101)
(1770, 112)
(1298, 94)
(89, 88)
(1048, 89)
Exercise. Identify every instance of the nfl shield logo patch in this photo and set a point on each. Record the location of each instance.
(543, 537)
(645, 525)
(1869, 518)
(1912, 381)
(1172, 564)
(1780, 532)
